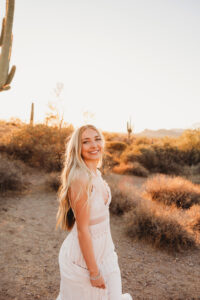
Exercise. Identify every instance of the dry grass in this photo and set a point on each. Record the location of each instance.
(115, 136)
(39, 146)
(109, 161)
(193, 219)
(53, 181)
(197, 224)
(121, 201)
(164, 227)
(8, 128)
(172, 190)
(165, 155)
(155, 158)
(12, 175)
(131, 169)
(115, 146)
(159, 227)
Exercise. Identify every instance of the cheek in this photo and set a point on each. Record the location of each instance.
(84, 148)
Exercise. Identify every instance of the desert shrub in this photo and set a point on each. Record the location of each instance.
(163, 159)
(109, 161)
(172, 190)
(39, 146)
(109, 136)
(143, 140)
(116, 146)
(190, 156)
(155, 158)
(193, 218)
(169, 160)
(196, 169)
(53, 181)
(158, 227)
(165, 155)
(7, 128)
(130, 154)
(148, 158)
(143, 154)
(131, 169)
(190, 138)
(189, 145)
(115, 136)
(121, 202)
(196, 226)
(11, 175)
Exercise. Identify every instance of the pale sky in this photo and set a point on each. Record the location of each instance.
(116, 58)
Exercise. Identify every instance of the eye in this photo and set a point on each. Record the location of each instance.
(97, 139)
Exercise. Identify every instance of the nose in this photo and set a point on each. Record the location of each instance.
(93, 144)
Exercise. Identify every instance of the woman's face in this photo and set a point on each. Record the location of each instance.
(91, 145)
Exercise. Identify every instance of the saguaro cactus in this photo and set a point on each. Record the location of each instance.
(32, 114)
(6, 47)
(129, 129)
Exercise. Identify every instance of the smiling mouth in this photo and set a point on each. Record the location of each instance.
(94, 152)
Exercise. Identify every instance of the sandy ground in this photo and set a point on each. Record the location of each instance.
(30, 245)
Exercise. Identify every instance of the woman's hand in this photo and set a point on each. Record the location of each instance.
(98, 283)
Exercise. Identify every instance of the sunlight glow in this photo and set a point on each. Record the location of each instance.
(116, 60)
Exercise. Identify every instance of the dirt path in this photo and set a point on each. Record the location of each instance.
(30, 245)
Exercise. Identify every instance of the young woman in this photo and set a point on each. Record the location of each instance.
(88, 262)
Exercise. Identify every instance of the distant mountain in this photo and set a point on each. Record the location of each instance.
(195, 125)
(174, 132)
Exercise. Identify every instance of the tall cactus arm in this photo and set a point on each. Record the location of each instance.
(11, 75)
(2, 31)
(6, 46)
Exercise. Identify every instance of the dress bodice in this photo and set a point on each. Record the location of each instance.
(99, 206)
(99, 209)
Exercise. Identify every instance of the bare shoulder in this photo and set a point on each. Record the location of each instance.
(80, 178)
(78, 186)
(79, 197)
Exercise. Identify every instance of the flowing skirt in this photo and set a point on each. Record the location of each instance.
(75, 281)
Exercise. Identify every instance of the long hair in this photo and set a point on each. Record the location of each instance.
(74, 165)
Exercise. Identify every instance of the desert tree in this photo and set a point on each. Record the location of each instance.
(88, 116)
(55, 115)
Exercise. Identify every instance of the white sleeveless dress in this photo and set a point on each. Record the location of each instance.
(75, 281)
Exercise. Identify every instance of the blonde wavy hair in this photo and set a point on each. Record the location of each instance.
(74, 165)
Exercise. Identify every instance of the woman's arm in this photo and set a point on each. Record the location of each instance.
(78, 189)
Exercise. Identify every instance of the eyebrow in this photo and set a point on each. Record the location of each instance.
(89, 138)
